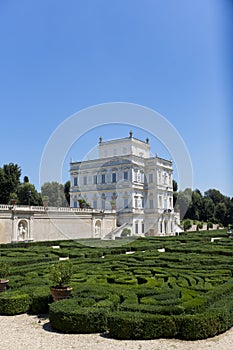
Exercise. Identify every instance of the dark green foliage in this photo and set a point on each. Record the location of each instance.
(67, 191)
(134, 325)
(144, 295)
(61, 273)
(126, 232)
(213, 207)
(9, 181)
(187, 224)
(55, 193)
(40, 300)
(67, 316)
(13, 303)
(28, 195)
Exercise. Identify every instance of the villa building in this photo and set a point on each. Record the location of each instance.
(126, 178)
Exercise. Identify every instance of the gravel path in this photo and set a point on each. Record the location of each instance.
(25, 332)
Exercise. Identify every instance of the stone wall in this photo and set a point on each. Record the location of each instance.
(24, 223)
(204, 228)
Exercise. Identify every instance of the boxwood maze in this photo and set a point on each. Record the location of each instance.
(148, 288)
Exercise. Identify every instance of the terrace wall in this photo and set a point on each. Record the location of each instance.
(29, 223)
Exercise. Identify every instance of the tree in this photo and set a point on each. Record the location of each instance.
(220, 212)
(28, 195)
(228, 220)
(67, 191)
(174, 185)
(194, 210)
(187, 224)
(25, 179)
(175, 194)
(9, 181)
(55, 192)
(183, 201)
(215, 195)
(208, 209)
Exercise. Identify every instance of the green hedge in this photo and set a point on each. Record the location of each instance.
(133, 325)
(13, 303)
(40, 300)
(202, 326)
(67, 316)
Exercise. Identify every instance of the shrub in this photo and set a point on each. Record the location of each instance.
(199, 226)
(40, 300)
(187, 224)
(126, 232)
(13, 303)
(135, 325)
(199, 326)
(69, 317)
(61, 273)
(4, 270)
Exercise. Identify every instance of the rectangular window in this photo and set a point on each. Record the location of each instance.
(126, 175)
(143, 203)
(75, 181)
(85, 180)
(126, 203)
(103, 178)
(136, 227)
(142, 227)
(159, 177)
(136, 202)
(113, 177)
(139, 177)
(103, 204)
(95, 204)
(170, 202)
(75, 204)
(151, 203)
(170, 180)
(150, 178)
(160, 201)
(95, 179)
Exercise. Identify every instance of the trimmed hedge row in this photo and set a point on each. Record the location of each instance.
(13, 303)
(143, 295)
(68, 317)
(133, 325)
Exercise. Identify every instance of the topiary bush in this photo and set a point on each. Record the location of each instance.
(69, 317)
(199, 326)
(187, 224)
(13, 303)
(135, 325)
(40, 300)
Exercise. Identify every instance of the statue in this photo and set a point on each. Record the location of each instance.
(21, 232)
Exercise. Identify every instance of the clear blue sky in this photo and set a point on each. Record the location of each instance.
(58, 57)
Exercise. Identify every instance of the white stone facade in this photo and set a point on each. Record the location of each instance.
(127, 178)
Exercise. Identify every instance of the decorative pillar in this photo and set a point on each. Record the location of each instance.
(30, 229)
(14, 229)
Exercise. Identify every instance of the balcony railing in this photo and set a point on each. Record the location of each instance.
(6, 207)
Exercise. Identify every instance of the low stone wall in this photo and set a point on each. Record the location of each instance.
(204, 228)
(28, 223)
